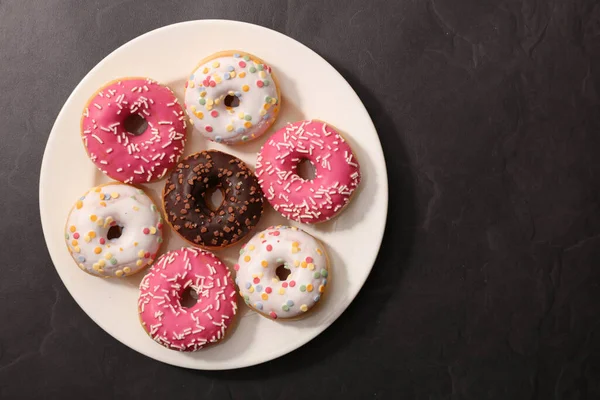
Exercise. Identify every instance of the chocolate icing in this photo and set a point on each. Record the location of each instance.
(189, 214)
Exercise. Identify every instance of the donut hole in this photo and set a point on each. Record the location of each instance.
(282, 272)
(306, 170)
(231, 101)
(189, 298)
(213, 198)
(135, 124)
(114, 232)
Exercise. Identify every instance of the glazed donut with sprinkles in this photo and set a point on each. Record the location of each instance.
(185, 203)
(232, 97)
(336, 168)
(134, 130)
(258, 280)
(174, 325)
(114, 230)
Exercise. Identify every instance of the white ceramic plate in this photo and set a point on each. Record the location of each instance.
(311, 88)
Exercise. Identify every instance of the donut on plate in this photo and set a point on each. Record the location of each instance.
(133, 129)
(282, 252)
(188, 211)
(175, 325)
(113, 230)
(337, 172)
(232, 97)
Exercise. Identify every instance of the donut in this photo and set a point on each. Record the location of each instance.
(300, 254)
(232, 97)
(133, 129)
(189, 214)
(113, 230)
(337, 172)
(182, 328)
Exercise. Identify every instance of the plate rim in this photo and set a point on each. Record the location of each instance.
(52, 137)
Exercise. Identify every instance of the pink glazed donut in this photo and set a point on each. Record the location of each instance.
(110, 118)
(337, 173)
(170, 323)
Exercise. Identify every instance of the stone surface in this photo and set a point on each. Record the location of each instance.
(488, 282)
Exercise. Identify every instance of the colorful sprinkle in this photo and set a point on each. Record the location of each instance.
(304, 308)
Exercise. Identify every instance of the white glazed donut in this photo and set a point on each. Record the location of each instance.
(232, 97)
(297, 251)
(93, 236)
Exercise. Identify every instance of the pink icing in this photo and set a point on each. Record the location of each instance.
(121, 155)
(161, 313)
(307, 201)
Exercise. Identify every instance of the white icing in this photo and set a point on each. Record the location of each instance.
(125, 206)
(260, 104)
(292, 247)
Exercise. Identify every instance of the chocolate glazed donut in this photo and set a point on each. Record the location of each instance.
(188, 212)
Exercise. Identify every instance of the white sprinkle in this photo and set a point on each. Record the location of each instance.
(97, 138)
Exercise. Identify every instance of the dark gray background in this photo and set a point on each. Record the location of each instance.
(487, 284)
